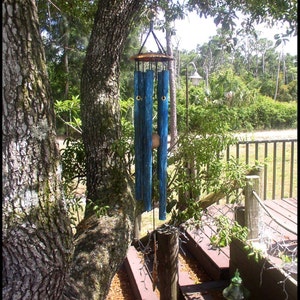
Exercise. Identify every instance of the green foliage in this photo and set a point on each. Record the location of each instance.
(98, 210)
(288, 92)
(73, 161)
(255, 11)
(206, 154)
(68, 111)
(192, 215)
(73, 158)
(198, 168)
(230, 89)
(125, 145)
(65, 29)
(246, 110)
(267, 85)
(127, 109)
(285, 258)
(202, 119)
(73, 176)
(253, 67)
(226, 231)
(75, 206)
(266, 113)
(257, 254)
(72, 154)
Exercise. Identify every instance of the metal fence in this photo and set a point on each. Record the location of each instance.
(279, 165)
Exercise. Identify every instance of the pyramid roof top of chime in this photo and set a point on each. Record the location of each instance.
(160, 56)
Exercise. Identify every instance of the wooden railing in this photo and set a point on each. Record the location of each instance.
(279, 165)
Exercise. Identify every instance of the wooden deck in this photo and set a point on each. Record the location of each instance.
(218, 264)
(216, 261)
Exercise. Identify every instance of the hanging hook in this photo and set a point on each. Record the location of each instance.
(152, 10)
(151, 26)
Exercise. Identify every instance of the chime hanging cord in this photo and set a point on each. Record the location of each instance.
(158, 43)
(154, 270)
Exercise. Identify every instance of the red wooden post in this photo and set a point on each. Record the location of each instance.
(167, 256)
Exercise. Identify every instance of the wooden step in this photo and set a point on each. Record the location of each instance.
(204, 290)
(214, 261)
(141, 281)
(189, 290)
(139, 277)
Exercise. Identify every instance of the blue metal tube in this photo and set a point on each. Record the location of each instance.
(162, 95)
(147, 138)
(139, 99)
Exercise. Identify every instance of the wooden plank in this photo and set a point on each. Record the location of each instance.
(285, 216)
(201, 291)
(219, 255)
(139, 277)
(204, 290)
(183, 276)
(277, 230)
(214, 262)
(281, 218)
(291, 201)
(207, 232)
(217, 210)
(285, 204)
(280, 208)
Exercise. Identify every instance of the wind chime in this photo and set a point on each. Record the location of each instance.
(151, 73)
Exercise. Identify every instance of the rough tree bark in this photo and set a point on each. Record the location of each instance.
(36, 234)
(102, 243)
(39, 260)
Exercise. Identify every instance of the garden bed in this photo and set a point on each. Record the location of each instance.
(264, 279)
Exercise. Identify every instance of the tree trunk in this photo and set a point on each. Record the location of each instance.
(277, 77)
(173, 110)
(36, 234)
(102, 242)
(66, 39)
(39, 260)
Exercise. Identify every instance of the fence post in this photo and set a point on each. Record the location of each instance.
(258, 170)
(252, 206)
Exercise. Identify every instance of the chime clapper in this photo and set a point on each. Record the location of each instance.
(155, 140)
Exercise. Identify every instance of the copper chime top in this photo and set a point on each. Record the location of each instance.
(151, 57)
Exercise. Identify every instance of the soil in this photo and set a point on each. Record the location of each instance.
(120, 287)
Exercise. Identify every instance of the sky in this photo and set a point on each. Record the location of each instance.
(194, 30)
